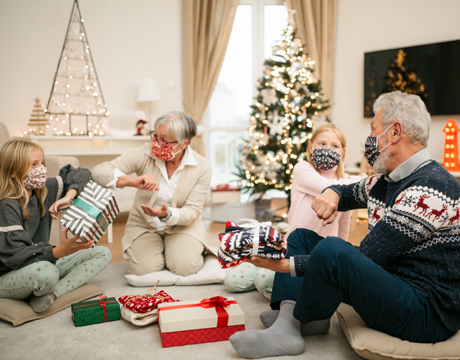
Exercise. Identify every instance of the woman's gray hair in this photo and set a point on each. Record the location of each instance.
(181, 126)
(408, 109)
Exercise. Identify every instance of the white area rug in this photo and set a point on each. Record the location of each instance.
(56, 337)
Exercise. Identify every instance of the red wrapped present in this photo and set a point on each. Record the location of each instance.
(196, 322)
(147, 302)
(225, 193)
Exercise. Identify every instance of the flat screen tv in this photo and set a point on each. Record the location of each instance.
(431, 71)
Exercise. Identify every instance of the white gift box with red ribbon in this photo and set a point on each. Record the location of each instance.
(199, 321)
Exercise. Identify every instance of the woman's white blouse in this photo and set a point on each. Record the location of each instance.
(167, 186)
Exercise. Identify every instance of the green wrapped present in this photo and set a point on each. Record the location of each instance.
(96, 311)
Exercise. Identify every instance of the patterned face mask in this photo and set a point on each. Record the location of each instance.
(371, 148)
(325, 158)
(36, 179)
(163, 153)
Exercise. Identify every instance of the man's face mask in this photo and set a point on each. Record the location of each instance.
(371, 147)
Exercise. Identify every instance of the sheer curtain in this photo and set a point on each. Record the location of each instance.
(316, 22)
(207, 25)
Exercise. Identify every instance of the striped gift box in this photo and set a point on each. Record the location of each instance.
(91, 213)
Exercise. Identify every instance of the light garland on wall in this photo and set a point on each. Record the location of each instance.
(76, 92)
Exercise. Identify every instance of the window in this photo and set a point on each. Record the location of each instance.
(258, 25)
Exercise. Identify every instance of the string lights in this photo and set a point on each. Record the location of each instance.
(288, 105)
(76, 92)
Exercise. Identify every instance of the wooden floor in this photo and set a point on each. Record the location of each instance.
(357, 233)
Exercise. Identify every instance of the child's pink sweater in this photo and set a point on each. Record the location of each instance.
(306, 186)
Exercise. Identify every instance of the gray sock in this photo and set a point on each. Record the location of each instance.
(320, 327)
(41, 303)
(268, 317)
(282, 338)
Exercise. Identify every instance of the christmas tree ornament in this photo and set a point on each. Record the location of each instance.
(269, 96)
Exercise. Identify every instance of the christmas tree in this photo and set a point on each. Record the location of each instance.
(38, 122)
(288, 104)
(76, 92)
(402, 77)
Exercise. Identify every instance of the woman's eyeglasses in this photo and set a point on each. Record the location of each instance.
(162, 143)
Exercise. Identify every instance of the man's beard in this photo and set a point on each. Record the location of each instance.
(379, 164)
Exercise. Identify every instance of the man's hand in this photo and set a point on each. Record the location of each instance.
(281, 266)
(326, 205)
(160, 212)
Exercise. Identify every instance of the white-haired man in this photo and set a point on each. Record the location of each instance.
(404, 278)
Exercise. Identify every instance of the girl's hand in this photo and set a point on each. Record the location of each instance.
(145, 182)
(160, 212)
(60, 204)
(326, 205)
(70, 246)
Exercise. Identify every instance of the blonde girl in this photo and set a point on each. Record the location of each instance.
(325, 167)
(30, 268)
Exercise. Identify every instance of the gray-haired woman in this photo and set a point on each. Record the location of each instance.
(164, 227)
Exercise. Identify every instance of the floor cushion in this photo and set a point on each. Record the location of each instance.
(210, 273)
(18, 312)
(374, 345)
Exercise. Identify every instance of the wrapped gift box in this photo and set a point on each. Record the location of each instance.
(232, 211)
(200, 321)
(225, 193)
(95, 311)
(91, 213)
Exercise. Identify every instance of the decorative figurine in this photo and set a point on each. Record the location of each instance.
(141, 130)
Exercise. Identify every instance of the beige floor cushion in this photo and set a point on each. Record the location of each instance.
(374, 345)
(18, 312)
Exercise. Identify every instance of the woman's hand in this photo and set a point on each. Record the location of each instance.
(145, 182)
(160, 212)
(281, 266)
(70, 246)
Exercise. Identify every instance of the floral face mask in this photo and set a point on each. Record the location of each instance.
(36, 179)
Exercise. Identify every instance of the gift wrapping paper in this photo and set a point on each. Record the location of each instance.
(91, 213)
(95, 311)
(199, 321)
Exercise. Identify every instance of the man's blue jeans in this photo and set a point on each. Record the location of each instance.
(338, 272)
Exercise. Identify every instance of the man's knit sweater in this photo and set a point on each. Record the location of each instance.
(414, 227)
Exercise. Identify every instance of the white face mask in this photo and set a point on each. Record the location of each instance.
(36, 179)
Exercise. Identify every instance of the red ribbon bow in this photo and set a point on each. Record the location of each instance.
(102, 303)
(218, 302)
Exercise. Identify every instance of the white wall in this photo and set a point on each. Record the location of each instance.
(365, 25)
(134, 39)
(129, 40)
